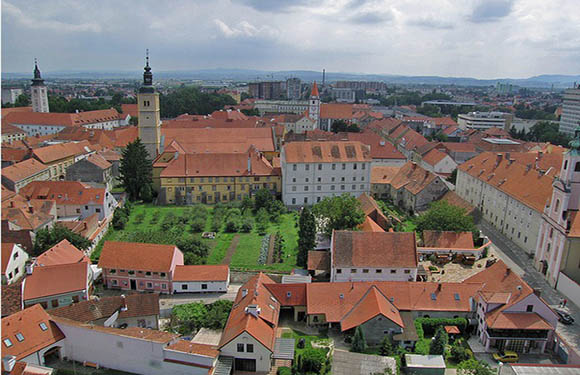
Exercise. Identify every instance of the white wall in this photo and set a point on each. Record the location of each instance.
(261, 354)
(569, 288)
(372, 275)
(195, 286)
(37, 358)
(15, 268)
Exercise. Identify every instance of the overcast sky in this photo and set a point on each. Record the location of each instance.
(463, 38)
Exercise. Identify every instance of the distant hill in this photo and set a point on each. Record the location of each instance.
(540, 81)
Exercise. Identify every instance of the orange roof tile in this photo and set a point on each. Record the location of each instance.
(288, 294)
(7, 249)
(62, 253)
(194, 348)
(6, 111)
(380, 149)
(318, 261)
(410, 176)
(11, 298)
(201, 273)
(459, 146)
(29, 323)
(369, 225)
(574, 218)
(326, 152)
(64, 192)
(452, 330)
(447, 239)
(99, 161)
(10, 129)
(22, 170)
(40, 118)
(336, 111)
(48, 281)
(522, 320)
(49, 154)
(374, 249)
(385, 126)
(314, 91)
(137, 256)
(383, 175)
(434, 156)
(372, 304)
(261, 138)
(455, 200)
(14, 155)
(130, 109)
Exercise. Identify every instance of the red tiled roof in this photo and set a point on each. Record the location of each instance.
(137, 256)
(386, 125)
(452, 330)
(64, 192)
(6, 111)
(49, 154)
(139, 304)
(410, 176)
(374, 249)
(27, 322)
(318, 261)
(383, 175)
(62, 253)
(7, 249)
(14, 155)
(433, 157)
(130, 109)
(194, 348)
(520, 320)
(62, 119)
(54, 280)
(261, 138)
(201, 273)
(455, 200)
(336, 111)
(369, 225)
(459, 146)
(99, 161)
(289, 294)
(314, 91)
(380, 149)
(574, 218)
(10, 129)
(11, 298)
(22, 170)
(326, 152)
(447, 239)
(372, 304)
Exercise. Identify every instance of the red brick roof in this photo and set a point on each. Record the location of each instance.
(139, 304)
(22, 170)
(374, 249)
(49, 154)
(137, 256)
(64, 192)
(14, 155)
(27, 322)
(433, 157)
(48, 281)
(201, 273)
(62, 253)
(7, 249)
(318, 261)
(336, 111)
(326, 152)
(289, 294)
(194, 348)
(130, 109)
(372, 304)
(447, 239)
(11, 298)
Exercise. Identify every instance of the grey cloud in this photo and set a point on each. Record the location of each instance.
(431, 23)
(370, 18)
(273, 5)
(491, 10)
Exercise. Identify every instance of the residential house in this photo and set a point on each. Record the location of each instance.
(213, 177)
(73, 199)
(31, 215)
(13, 262)
(438, 162)
(410, 187)
(90, 228)
(205, 278)
(510, 190)
(455, 200)
(18, 175)
(12, 155)
(60, 156)
(63, 252)
(11, 298)
(133, 310)
(92, 169)
(12, 367)
(114, 158)
(138, 266)
(331, 112)
(56, 285)
(408, 142)
(11, 133)
(31, 336)
(249, 335)
(460, 152)
(448, 242)
(314, 170)
(374, 213)
(373, 256)
(510, 314)
(557, 253)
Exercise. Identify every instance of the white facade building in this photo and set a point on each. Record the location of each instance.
(570, 118)
(281, 106)
(201, 279)
(39, 92)
(9, 95)
(314, 170)
(481, 120)
(13, 262)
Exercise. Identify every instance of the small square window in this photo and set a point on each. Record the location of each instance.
(393, 271)
(162, 274)
(407, 271)
(353, 270)
(240, 348)
(250, 348)
(43, 326)
(149, 285)
(365, 270)
(379, 271)
(7, 342)
(338, 270)
(19, 337)
(203, 286)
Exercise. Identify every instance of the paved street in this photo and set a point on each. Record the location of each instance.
(521, 263)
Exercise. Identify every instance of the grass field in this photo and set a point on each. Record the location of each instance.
(247, 251)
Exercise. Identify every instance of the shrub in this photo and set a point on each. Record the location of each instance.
(439, 343)
(197, 225)
(485, 252)
(359, 343)
(231, 226)
(459, 353)
(386, 346)
(284, 371)
(313, 361)
(120, 219)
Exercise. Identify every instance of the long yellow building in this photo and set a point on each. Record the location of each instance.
(213, 177)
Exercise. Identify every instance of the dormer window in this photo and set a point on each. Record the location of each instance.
(43, 326)
(7, 342)
(19, 337)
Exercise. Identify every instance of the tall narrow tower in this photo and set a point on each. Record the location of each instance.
(149, 117)
(314, 104)
(39, 93)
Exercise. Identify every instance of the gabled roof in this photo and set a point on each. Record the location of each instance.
(28, 323)
(383, 175)
(54, 280)
(380, 149)
(130, 109)
(64, 192)
(288, 294)
(137, 256)
(410, 176)
(22, 170)
(453, 199)
(374, 249)
(201, 273)
(11, 298)
(99, 161)
(28, 214)
(140, 304)
(62, 253)
(7, 249)
(519, 320)
(434, 156)
(372, 304)
(52, 153)
(186, 346)
(261, 138)
(261, 327)
(448, 239)
(314, 91)
(326, 152)
(336, 111)
(318, 261)
(385, 126)
(369, 225)
(8, 128)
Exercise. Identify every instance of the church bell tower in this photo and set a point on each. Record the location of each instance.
(149, 115)
(39, 93)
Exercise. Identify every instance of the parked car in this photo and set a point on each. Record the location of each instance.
(564, 317)
(506, 356)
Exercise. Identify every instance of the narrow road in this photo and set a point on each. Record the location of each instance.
(231, 250)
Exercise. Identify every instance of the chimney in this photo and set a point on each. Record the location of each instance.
(498, 159)
(244, 292)
(540, 154)
(29, 268)
(538, 292)
(508, 271)
(253, 309)
(31, 209)
(123, 303)
(249, 162)
(537, 166)
(439, 286)
(8, 363)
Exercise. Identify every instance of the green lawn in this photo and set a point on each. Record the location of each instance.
(248, 249)
(308, 339)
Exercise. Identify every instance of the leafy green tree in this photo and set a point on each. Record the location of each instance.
(120, 219)
(136, 169)
(338, 212)
(23, 100)
(387, 346)
(343, 126)
(453, 177)
(445, 217)
(189, 99)
(359, 343)
(459, 353)
(312, 361)
(306, 236)
(190, 244)
(251, 112)
(146, 193)
(439, 343)
(474, 367)
(48, 237)
(263, 199)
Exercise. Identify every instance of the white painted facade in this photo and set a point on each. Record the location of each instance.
(444, 166)
(338, 274)
(39, 98)
(309, 183)
(40, 129)
(481, 120)
(260, 354)
(281, 106)
(514, 219)
(201, 286)
(15, 268)
(301, 126)
(126, 353)
(37, 358)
